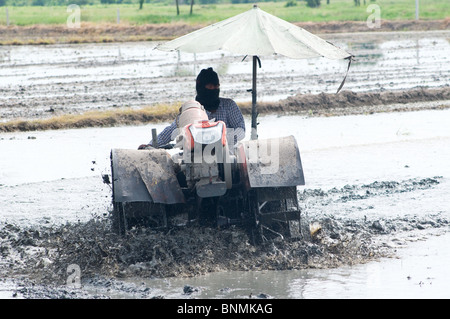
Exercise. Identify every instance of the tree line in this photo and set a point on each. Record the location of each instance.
(140, 3)
(137, 2)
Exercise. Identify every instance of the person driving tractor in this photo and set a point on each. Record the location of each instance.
(218, 108)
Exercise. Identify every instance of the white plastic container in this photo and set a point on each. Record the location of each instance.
(191, 112)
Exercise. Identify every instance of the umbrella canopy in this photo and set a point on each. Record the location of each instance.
(257, 33)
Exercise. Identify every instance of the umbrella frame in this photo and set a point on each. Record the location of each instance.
(254, 131)
(256, 61)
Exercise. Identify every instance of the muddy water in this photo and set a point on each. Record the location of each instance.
(351, 150)
(389, 169)
(39, 81)
(419, 272)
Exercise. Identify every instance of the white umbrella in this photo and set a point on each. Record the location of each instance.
(257, 33)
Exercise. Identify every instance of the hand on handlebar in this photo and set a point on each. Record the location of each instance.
(145, 147)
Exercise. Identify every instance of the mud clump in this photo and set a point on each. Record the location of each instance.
(365, 191)
(348, 102)
(44, 254)
(39, 256)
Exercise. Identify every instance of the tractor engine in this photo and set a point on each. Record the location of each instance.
(205, 158)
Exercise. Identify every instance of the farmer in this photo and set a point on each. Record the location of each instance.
(218, 108)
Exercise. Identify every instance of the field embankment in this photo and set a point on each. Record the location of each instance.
(110, 32)
(97, 22)
(324, 104)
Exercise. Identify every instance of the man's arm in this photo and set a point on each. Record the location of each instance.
(166, 135)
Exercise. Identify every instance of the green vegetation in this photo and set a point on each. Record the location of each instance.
(313, 3)
(21, 12)
(107, 118)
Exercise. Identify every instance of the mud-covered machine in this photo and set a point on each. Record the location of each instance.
(204, 179)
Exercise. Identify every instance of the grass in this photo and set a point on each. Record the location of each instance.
(345, 103)
(337, 10)
(108, 118)
(105, 118)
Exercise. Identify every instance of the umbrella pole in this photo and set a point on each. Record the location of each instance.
(254, 134)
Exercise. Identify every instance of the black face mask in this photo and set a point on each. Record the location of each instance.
(208, 98)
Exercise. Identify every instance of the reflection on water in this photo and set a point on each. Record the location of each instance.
(421, 271)
(369, 53)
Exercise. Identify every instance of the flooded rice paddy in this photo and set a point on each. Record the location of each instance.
(42, 81)
(382, 178)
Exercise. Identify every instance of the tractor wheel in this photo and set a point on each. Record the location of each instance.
(253, 224)
(274, 218)
(138, 214)
(118, 219)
